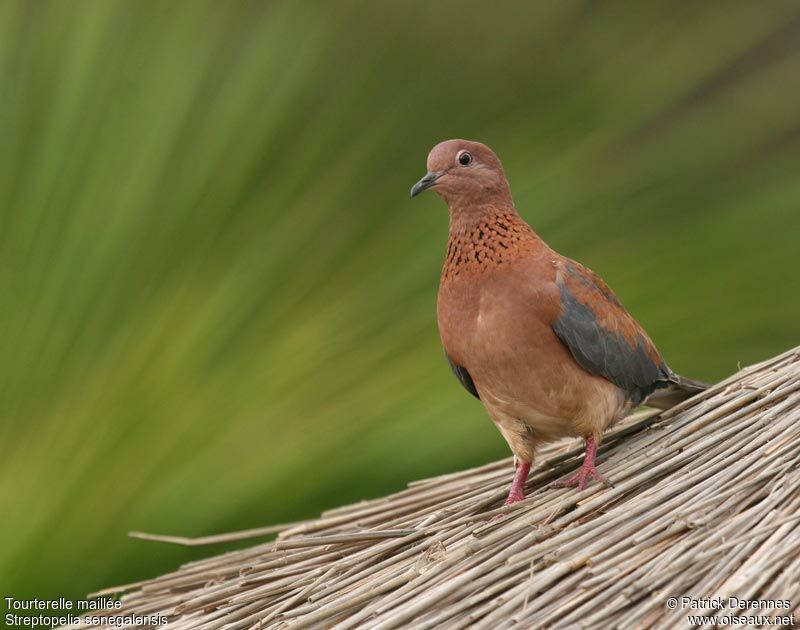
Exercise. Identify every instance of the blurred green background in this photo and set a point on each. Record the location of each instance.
(218, 302)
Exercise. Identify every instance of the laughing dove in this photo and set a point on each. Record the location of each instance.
(540, 339)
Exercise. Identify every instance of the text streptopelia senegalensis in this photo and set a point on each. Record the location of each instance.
(541, 340)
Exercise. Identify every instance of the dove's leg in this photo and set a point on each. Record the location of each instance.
(517, 492)
(586, 471)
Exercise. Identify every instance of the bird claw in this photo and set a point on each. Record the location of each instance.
(511, 500)
(514, 498)
(581, 478)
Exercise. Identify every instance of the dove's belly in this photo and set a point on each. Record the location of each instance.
(530, 384)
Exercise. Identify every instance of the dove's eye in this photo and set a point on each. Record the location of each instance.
(465, 158)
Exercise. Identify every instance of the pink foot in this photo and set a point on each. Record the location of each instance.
(517, 491)
(514, 498)
(586, 471)
(581, 478)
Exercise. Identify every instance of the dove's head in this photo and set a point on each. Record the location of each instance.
(466, 175)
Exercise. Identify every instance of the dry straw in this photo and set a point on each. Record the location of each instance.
(705, 503)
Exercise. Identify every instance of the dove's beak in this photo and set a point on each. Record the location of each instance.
(425, 183)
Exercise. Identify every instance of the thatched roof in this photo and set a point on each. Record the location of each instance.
(706, 503)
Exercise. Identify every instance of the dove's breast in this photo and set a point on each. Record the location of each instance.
(495, 316)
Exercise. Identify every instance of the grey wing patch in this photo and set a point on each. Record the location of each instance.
(608, 353)
(463, 377)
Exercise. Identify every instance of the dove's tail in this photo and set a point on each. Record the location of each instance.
(679, 389)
